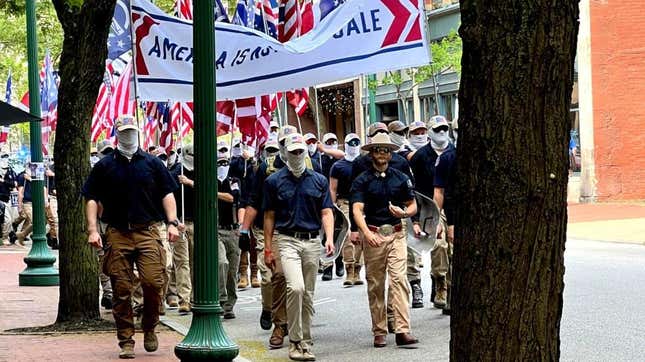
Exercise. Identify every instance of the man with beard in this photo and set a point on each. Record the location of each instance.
(297, 204)
(136, 193)
(423, 164)
(381, 198)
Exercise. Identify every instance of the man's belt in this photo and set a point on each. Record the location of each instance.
(386, 229)
(300, 235)
(129, 227)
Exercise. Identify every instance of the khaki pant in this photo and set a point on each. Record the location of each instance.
(265, 272)
(145, 249)
(6, 222)
(179, 270)
(439, 255)
(388, 261)
(278, 283)
(27, 226)
(51, 212)
(300, 263)
(229, 260)
(351, 253)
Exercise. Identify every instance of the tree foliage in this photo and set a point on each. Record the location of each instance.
(446, 57)
(13, 40)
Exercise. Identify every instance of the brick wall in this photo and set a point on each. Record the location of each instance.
(618, 78)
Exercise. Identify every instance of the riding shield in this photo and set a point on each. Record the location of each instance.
(341, 230)
(429, 218)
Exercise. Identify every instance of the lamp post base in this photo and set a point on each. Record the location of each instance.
(40, 271)
(206, 340)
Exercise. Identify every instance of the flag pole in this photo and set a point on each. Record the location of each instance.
(181, 145)
(316, 117)
(134, 73)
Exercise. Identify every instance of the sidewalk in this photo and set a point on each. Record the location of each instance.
(612, 222)
(37, 306)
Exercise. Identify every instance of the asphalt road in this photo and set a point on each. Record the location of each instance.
(603, 317)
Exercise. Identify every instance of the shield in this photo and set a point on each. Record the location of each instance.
(341, 230)
(429, 218)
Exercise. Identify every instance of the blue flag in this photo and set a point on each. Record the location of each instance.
(120, 39)
(7, 93)
(220, 12)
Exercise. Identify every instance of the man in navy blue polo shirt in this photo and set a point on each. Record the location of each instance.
(423, 165)
(296, 204)
(445, 178)
(381, 198)
(340, 181)
(135, 191)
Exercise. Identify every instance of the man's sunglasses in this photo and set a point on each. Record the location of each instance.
(440, 128)
(355, 142)
(383, 150)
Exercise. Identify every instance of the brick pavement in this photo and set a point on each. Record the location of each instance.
(37, 306)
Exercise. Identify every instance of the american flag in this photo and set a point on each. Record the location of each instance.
(100, 119)
(182, 117)
(48, 102)
(265, 15)
(165, 138)
(289, 20)
(247, 115)
(299, 100)
(120, 102)
(149, 132)
(312, 13)
(4, 133)
(184, 9)
(225, 114)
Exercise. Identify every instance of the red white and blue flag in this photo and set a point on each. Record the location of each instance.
(48, 102)
(120, 101)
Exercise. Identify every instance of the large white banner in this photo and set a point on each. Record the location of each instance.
(358, 37)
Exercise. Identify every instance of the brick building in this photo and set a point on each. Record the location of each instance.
(611, 73)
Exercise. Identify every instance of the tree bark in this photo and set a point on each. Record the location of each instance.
(515, 95)
(81, 70)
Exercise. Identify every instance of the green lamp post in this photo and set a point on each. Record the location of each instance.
(40, 269)
(372, 98)
(206, 340)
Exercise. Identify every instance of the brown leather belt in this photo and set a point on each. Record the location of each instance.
(386, 229)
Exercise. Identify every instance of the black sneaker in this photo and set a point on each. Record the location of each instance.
(417, 295)
(327, 273)
(265, 320)
(229, 315)
(106, 303)
(12, 237)
(340, 267)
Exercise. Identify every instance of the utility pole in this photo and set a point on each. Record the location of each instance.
(40, 269)
(206, 340)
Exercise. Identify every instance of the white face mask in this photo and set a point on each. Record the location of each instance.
(352, 152)
(128, 142)
(397, 139)
(418, 141)
(312, 149)
(283, 152)
(237, 152)
(172, 159)
(93, 161)
(296, 163)
(222, 172)
(4, 163)
(439, 139)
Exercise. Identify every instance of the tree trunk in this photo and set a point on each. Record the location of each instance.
(515, 95)
(81, 70)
